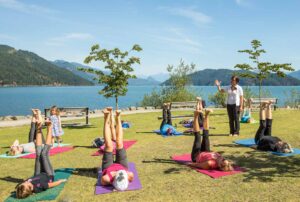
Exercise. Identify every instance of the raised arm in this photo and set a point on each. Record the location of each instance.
(218, 84)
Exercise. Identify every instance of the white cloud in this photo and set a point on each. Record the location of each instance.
(61, 40)
(189, 13)
(22, 7)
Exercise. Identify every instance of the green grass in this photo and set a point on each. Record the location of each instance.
(268, 177)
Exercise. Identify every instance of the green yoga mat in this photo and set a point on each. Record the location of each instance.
(49, 194)
(24, 154)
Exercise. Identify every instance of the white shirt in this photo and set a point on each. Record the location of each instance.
(233, 96)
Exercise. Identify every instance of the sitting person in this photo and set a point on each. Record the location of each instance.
(17, 148)
(263, 137)
(43, 172)
(166, 127)
(201, 155)
(114, 172)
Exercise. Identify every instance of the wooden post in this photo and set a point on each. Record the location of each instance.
(87, 116)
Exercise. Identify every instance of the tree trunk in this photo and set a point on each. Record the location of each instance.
(117, 103)
(259, 90)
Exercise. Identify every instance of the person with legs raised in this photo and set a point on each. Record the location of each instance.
(115, 173)
(201, 155)
(43, 178)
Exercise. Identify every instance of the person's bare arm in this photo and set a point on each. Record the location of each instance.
(130, 176)
(105, 180)
(218, 84)
(203, 165)
(56, 183)
(241, 102)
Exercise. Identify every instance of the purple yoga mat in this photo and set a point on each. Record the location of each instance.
(134, 185)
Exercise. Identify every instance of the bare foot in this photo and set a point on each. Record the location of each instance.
(109, 109)
(118, 112)
(197, 112)
(208, 111)
(105, 112)
(198, 99)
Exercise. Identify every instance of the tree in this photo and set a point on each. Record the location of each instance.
(260, 70)
(120, 68)
(175, 88)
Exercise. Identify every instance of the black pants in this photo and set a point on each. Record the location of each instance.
(234, 118)
(42, 161)
(200, 119)
(32, 133)
(265, 129)
(108, 158)
(166, 114)
(199, 146)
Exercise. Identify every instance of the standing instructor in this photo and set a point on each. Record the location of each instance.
(234, 103)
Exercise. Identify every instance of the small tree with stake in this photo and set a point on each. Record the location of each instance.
(261, 70)
(120, 68)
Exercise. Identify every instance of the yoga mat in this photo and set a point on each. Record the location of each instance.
(296, 152)
(249, 142)
(49, 194)
(185, 158)
(134, 185)
(126, 144)
(245, 142)
(176, 134)
(53, 151)
(25, 154)
(188, 125)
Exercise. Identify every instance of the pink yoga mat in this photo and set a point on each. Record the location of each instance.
(53, 151)
(185, 158)
(134, 185)
(126, 143)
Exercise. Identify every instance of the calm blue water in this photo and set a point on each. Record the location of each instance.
(19, 100)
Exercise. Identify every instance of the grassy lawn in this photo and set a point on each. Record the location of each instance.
(268, 177)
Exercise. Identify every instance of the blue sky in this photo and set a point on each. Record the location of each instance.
(207, 33)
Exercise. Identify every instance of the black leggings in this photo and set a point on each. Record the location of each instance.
(166, 118)
(108, 158)
(42, 161)
(199, 146)
(32, 133)
(265, 129)
(200, 119)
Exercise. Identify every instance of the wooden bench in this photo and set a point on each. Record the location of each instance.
(184, 105)
(255, 102)
(72, 112)
(188, 104)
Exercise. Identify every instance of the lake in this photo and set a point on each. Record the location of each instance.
(19, 100)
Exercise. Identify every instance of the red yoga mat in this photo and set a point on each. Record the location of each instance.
(126, 144)
(185, 158)
(53, 151)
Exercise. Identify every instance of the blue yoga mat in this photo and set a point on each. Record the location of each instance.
(24, 154)
(249, 142)
(175, 134)
(245, 142)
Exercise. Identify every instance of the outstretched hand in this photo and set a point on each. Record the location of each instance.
(218, 83)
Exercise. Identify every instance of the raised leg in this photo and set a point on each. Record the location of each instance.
(164, 116)
(112, 123)
(205, 145)
(169, 115)
(197, 140)
(269, 120)
(38, 145)
(262, 127)
(107, 158)
(121, 155)
(199, 106)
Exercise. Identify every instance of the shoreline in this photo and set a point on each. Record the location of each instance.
(98, 113)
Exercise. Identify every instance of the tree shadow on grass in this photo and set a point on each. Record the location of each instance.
(264, 166)
(174, 170)
(12, 179)
(84, 146)
(86, 172)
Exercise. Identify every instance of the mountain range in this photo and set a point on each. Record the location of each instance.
(24, 68)
(207, 77)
